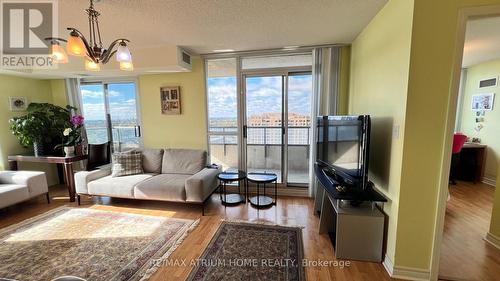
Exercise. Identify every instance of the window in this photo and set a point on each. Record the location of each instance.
(222, 112)
(110, 111)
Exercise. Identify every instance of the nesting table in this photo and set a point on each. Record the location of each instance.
(261, 179)
(229, 177)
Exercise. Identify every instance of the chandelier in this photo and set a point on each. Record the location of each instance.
(92, 48)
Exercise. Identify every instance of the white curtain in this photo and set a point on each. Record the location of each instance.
(73, 93)
(74, 99)
(325, 77)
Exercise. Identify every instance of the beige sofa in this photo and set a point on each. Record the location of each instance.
(175, 175)
(19, 186)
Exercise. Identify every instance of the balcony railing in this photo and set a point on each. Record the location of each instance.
(264, 149)
(267, 135)
(124, 137)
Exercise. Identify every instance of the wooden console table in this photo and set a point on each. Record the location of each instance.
(67, 163)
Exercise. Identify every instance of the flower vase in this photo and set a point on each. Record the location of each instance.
(69, 151)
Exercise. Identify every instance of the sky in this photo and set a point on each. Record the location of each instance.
(263, 95)
(122, 101)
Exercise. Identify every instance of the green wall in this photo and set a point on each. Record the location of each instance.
(428, 130)
(379, 80)
(59, 97)
(490, 134)
(36, 90)
(187, 130)
(425, 80)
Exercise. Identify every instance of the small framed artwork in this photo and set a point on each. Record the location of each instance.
(18, 103)
(483, 101)
(170, 100)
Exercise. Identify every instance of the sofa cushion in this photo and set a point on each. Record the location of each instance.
(151, 160)
(167, 187)
(12, 193)
(35, 181)
(116, 186)
(183, 161)
(127, 163)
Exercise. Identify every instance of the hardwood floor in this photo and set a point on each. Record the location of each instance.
(464, 253)
(289, 211)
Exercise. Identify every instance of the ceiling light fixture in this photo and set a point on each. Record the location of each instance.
(78, 45)
(90, 65)
(58, 53)
(127, 66)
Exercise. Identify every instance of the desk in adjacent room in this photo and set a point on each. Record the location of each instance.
(472, 161)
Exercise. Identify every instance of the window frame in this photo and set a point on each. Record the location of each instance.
(115, 80)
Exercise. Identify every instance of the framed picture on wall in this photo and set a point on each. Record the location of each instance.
(170, 100)
(483, 101)
(18, 103)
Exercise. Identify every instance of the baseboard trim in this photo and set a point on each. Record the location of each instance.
(489, 181)
(405, 273)
(492, 239)
(388, 265)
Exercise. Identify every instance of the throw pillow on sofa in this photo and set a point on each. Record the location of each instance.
(127, 163)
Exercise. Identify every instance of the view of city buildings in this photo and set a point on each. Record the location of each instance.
(265, 129)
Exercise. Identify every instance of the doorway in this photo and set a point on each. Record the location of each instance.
(465, 253)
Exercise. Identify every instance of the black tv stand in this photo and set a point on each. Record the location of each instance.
(330, 186)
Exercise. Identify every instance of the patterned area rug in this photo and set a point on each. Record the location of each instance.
(89, 243)
(247, 251)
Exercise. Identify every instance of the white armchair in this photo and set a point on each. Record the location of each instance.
(18, 186)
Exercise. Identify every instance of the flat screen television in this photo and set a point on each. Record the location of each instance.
(343, 149)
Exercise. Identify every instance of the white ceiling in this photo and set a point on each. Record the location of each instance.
(482, 41)
(202, 26)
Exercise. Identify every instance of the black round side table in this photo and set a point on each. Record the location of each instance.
(259, 179)
(228, 177)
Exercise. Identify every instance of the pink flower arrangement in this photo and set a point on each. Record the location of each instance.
(77, 120)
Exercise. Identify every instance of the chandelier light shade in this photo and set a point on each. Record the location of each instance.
(75, 46)
(92, 48)
(127, 66)
(123, 53)
(90, 65)
(58, 53)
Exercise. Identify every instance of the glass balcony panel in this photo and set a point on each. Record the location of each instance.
(224, 151)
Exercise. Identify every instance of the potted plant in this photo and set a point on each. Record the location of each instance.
(72, 136)
(42, 126)
(31, 131)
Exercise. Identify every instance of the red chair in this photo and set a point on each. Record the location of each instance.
(459, 140)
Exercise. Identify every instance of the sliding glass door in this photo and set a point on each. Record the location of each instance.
(264, 131)
(259, 114)
(277, 123)
(298, 127)
(111, 114)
